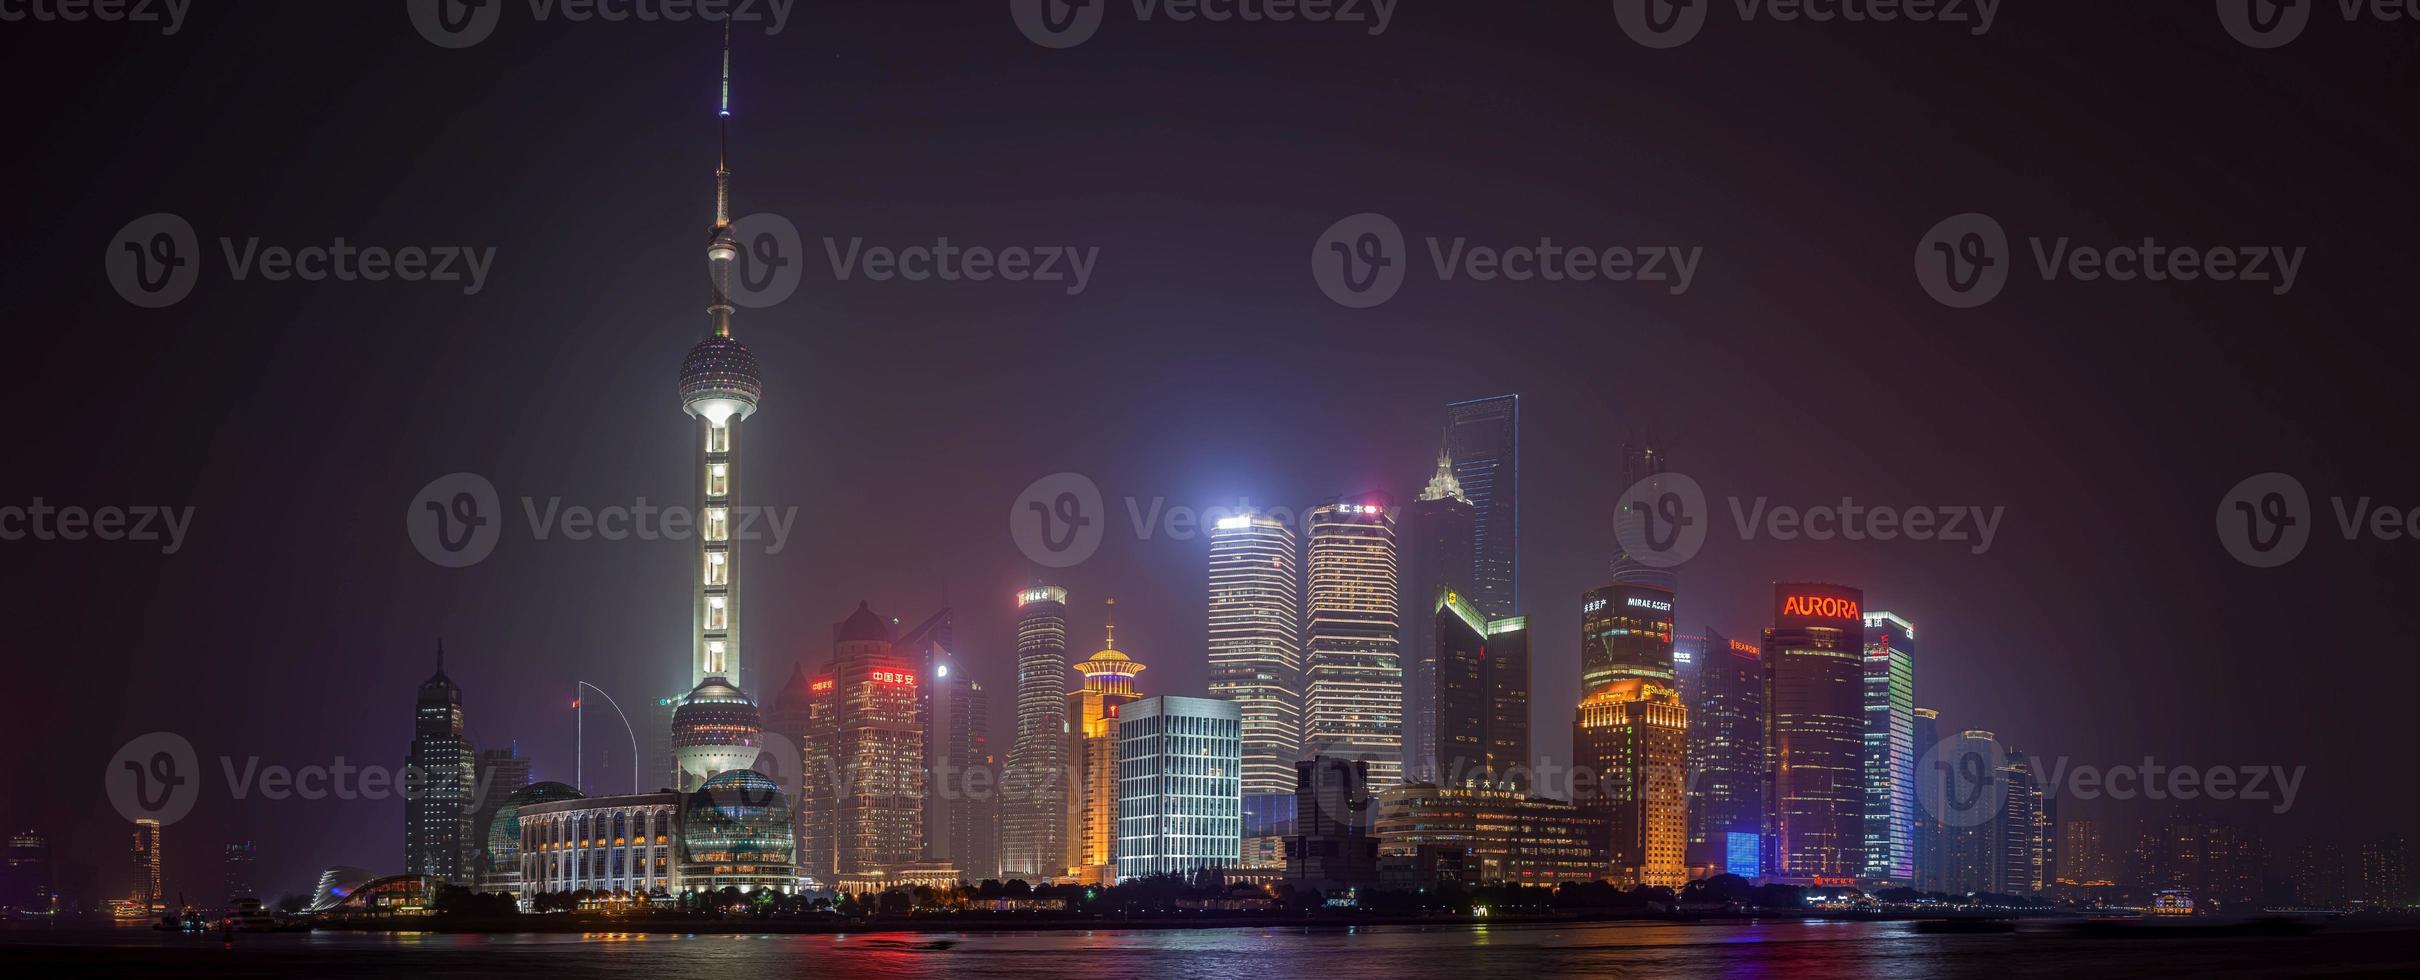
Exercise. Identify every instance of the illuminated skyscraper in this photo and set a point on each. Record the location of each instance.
(1890, 749)
(717, 728)
(1484, 437)
(1482, 697)
(1033, 833)
(1641, 462)
(1815, 734)
(2025, 837)
(878, 752)
(1625, 634)
(1633, 736)
(1180, 793)
(1726, 701)
(32, 884)
(1437, 555)
(146, 892)
(1353, 697)
(236, 862)
(1255, 627)
(961, 821)
(437, 819)
(1930, 837)
(1092, 748)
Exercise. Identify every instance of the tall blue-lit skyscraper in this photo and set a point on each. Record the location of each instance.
(1484, 437)
(1726, 699)
(1890, 749)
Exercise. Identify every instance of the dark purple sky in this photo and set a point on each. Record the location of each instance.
(1201, 365)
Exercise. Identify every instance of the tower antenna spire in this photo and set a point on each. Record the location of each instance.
(722, 157)
(724, 248)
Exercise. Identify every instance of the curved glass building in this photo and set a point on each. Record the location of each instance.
(736, 832)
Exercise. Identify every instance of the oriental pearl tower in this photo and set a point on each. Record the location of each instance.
(717, 728)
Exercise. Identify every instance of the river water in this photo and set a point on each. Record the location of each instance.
(1799, 950)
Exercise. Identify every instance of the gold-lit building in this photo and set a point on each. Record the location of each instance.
(1092, 751)
(1492, 836)
(1632, 735)
(146, 893)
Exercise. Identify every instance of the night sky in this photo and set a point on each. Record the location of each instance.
(1202, 364)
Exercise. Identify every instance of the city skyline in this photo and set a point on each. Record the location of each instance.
(426, 388)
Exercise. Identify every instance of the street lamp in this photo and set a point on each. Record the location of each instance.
(580, 706)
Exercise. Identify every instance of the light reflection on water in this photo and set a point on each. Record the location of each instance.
(1799, 950)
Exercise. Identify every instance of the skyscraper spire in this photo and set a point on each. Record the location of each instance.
(1109, 618)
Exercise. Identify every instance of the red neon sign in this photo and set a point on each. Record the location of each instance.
(1738, 647)
(1821, 607)
(823, 685)
(895, 677)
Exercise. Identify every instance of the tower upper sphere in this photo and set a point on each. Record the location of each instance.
(719, 380)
